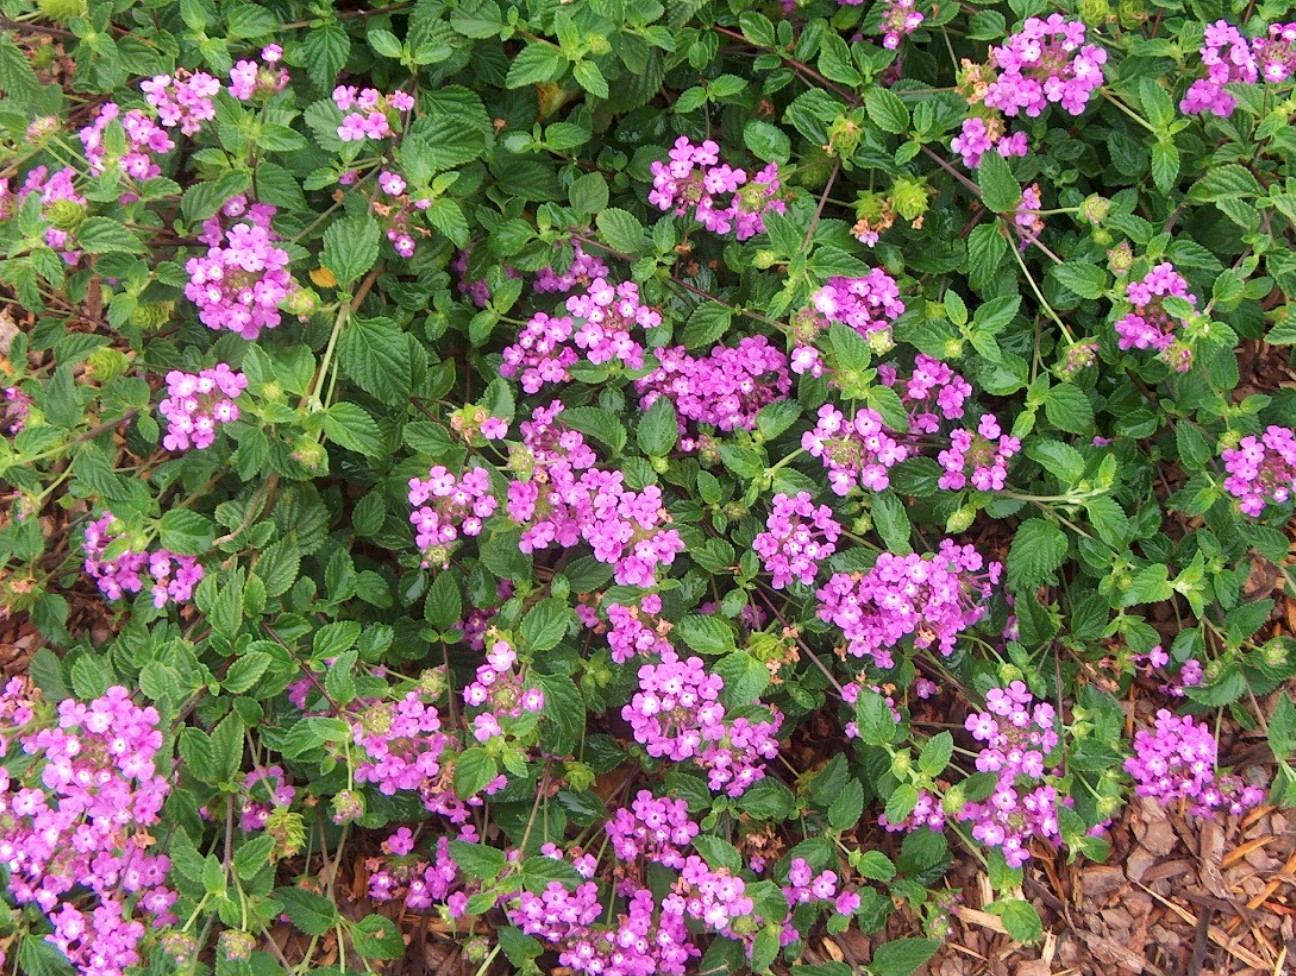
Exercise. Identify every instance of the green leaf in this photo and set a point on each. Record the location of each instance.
(708, 323)
(1068, 408)
(349, 425)
(564, 713)
(877, 726)
(351, 248)
(278, 566)
(847, 807)
(744, 678)
(589, 193)
(312, 913)
(1037, 550)
(1151, 584)
(1000, 191)
(892, 522)
(621, 230)
(936, 754)
(589, 77)
(658, 428)
(1086, 280)
(875, 866)
(1282, 727)
(377, 937)
(375, 355)
(536, 63)
(769, 799)
(886, 110)
(185, 532)
(473, 770)
(706, 635)
(478, 861)
(227, 748)
(324, 52)
(102, 235)
(250, 20)
(986, 250)
(1022, 921)
(545, 624)
(767, 142)
(900, 957)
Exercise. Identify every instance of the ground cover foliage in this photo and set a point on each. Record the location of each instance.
(655, 485)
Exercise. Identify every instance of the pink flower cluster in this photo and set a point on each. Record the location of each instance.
(725, 389)
(249, 79)
(931, 392)
(196, 403)
(367, 112)
(74, 823)
(266, 789)
(676, 714)
(633, 634)
(1018, 735)
(855, 452)
(398, 214)
(721, 198)
(13, 416)
(977, 137)
(868, 304)
(656, 829)
(501, 692)
(583, 271)
(1026, 215)
(447, 508)
(1149, 325)
(400, 743)
(173, 577)
(607, 314)
(418, 881)
(184, 100)
(931, 600)
(900, 18)
(1046, 61)
(1262, 469)
(804, 886)
(1177, 760)
(243, 278)
(799, 536)
(1231, 59)
(144, 139)
(927, 812)
(60, 204)
(567, 500)
(981, 457)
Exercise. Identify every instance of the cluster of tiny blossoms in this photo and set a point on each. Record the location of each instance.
(900, 18)
(1149, 325)
(243, 278)
(855, 452)
(676, 714)
(61, 205)
(931, 392)
(564, 499)
(1176, 761)
(144, 140)
(184, 100)
(600, 325)
(249, 79)
(1231, 59)
(196, 403)
(1262, 469)
(1047, 61)
(804, 886)
(500, 691)
(798, 537)
(631, 631)
(448, 507)
(718, 196)
(367, 112)
(980, 457)
(173, 577)
(1018, 735)
(74, 824)
(725, 389)
(397, 213)
(933, 600)
(418, 881)
(652, 828)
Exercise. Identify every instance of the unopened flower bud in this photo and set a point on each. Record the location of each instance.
(1095, 209)
(40, 130)
(953, 348)
(348, 806)
(764, 260)
(1094, 12)
(881, 342)
(302, 303)
(235, 946)
(961, 519)
(61, 11)
(107, 364)
(67, 214)
(310, 454)
(955, 800)
(1120, 259)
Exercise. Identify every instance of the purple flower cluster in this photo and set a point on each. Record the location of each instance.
(798, 537)
(1262, 469)
(61, 205)
(655, 829)
(249, 79)
(1018, 735)
(447, 508)
(927, 812)
(931, 392)
(144, 140)
(501, 692)
(804, 886)
(1177, 760)
(397, 214)
(74, 823)
(400, 743)
(980, 457)
(13, 415)
(931, 600)
(1149, 325)
(725, 389)
(694, 181)
(1231, 59)
(900, 18)
(977, 136)
(196, 403)
(632, 634)
(184, 100)
(1026, 216)
(567, 500)
(855, 452)
(173, 576)
(368, 112)
(868, 304)
(267, 790)
(676, 714)
(242, 279)
(418, 881)
(1046, 61)
(583, 271)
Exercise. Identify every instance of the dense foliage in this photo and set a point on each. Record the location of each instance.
(596, 463)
